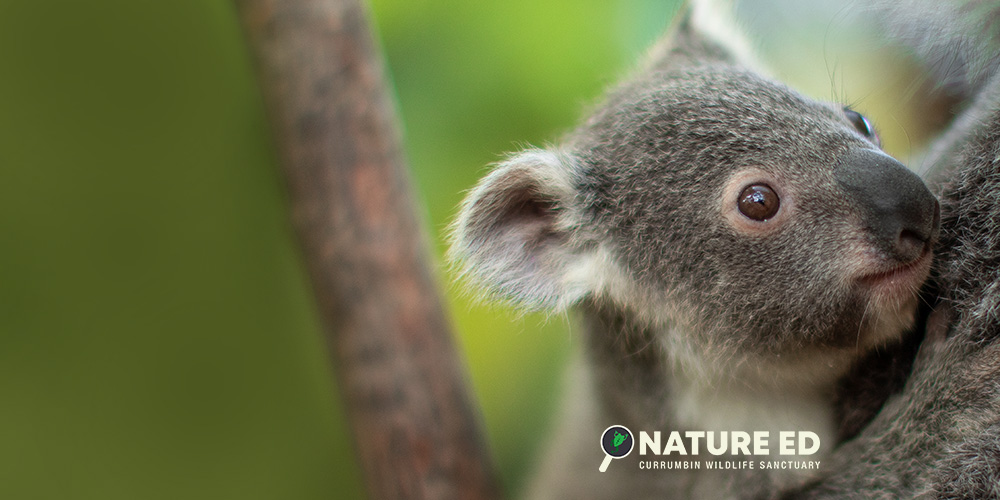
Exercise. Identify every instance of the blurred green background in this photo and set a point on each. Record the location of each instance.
(157, 337)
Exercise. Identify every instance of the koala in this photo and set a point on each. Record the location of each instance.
(940, 436)
(731, 249)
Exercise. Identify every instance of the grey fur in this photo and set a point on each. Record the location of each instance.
(685, 305)
(959, 40)
(940, 437)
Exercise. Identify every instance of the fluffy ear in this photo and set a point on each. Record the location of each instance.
(517, 233)
(705, 31)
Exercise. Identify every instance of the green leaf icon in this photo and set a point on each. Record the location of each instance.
(619, 439)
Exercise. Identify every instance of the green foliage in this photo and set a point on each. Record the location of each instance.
(157, 338)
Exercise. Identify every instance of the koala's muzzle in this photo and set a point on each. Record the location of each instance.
(897, 209)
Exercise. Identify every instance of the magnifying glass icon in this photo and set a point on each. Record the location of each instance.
(616, 441)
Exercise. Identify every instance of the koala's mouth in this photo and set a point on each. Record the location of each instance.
(902, 280)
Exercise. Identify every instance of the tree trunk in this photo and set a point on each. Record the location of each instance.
(414, 423)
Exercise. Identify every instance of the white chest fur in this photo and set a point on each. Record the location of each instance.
(763, 412)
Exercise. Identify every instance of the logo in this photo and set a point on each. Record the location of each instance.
(617, 442)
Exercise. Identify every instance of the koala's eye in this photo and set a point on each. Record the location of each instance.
(862, 125)
(758, 202)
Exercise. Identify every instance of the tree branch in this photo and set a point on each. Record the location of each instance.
(415, 429)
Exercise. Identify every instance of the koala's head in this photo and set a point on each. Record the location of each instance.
(714, 201)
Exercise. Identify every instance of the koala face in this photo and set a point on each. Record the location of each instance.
(765, 220)
(723, 208)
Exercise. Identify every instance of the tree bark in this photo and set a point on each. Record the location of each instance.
(415, 428)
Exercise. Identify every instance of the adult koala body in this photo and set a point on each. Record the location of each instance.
(731, 246)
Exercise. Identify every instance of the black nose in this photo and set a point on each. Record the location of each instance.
(897, 209)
